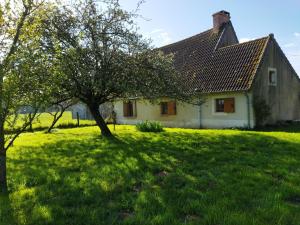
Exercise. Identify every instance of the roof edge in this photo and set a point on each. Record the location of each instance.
(284, 56)
(185, 39)
(225, 27)
(228, 46)
(269, 37)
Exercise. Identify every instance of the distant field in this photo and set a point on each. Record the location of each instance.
(201, 177)
(44, 120)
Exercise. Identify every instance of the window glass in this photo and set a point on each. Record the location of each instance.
(272, 77)
(128, 108)
(164, 108)
(226, 105)
(219, 105)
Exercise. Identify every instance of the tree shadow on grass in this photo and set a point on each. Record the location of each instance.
(166, 178)
(288, 128)
(6, 211)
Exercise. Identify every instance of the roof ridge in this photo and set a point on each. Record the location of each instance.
(247, 42)
(186, 39)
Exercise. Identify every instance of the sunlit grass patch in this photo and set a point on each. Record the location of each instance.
(180, 176)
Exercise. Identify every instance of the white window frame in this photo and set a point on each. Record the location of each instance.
(275, 74)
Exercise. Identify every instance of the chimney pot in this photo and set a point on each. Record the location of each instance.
(219, 19)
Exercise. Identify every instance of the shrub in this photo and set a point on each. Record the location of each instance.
(149, 126)
(262, 111)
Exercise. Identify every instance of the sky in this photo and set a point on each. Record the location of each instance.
(167, 21)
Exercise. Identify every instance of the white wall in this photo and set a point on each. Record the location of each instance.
(212, 119)
(188, 116)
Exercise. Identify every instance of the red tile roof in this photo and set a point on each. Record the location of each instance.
(230, 68)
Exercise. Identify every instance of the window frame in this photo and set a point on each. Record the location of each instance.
(132, 111)
(274, 72)
(224, 99)
(217, 105)
(165, 108)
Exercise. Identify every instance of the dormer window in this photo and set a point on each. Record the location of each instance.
(272, 77)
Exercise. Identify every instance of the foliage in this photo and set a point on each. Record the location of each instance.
(179, 176)
(149, 126)
(262, 111)
(23, 69)
(101, 57)
(24, 76)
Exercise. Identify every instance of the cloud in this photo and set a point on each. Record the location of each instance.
(297, 34)
(160, 37)
(242, 40)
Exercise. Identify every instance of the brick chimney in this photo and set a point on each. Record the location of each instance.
(219, 19)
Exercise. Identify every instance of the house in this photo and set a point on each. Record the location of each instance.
(242, 83)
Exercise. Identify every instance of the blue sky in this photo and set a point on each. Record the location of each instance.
(167, 21)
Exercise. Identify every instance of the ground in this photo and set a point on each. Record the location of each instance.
(180, 176)
(44, 120)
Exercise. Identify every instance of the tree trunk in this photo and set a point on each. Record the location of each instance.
(55, 120)
(30, 122)
(94, 108)
(3, 181)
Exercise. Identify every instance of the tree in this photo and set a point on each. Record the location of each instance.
(100, 57)
(21, 71)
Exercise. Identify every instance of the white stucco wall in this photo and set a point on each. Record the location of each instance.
(188, 116)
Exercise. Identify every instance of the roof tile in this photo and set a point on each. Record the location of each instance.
(230, 68)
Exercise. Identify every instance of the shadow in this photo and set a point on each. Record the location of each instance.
(159, 178)
(6, 211)
(287, 127)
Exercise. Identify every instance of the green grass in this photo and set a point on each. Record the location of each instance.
(179, 176)
(44, 120)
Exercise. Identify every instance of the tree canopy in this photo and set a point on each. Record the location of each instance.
(101, 57)
(23, 70)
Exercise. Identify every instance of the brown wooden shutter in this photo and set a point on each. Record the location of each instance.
(172, 108)
(126, 109)
(229, 106)
(134, 108)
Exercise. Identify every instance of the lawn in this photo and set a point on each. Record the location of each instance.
(216, 177)
(44, 120)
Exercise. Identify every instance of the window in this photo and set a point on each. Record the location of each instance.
(168, 108)
(129, 108)
(272, 77)
(164, 108)
(219, 105)
(225, 105)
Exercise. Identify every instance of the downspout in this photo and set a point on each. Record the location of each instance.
(200, 116)
(248, 109)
